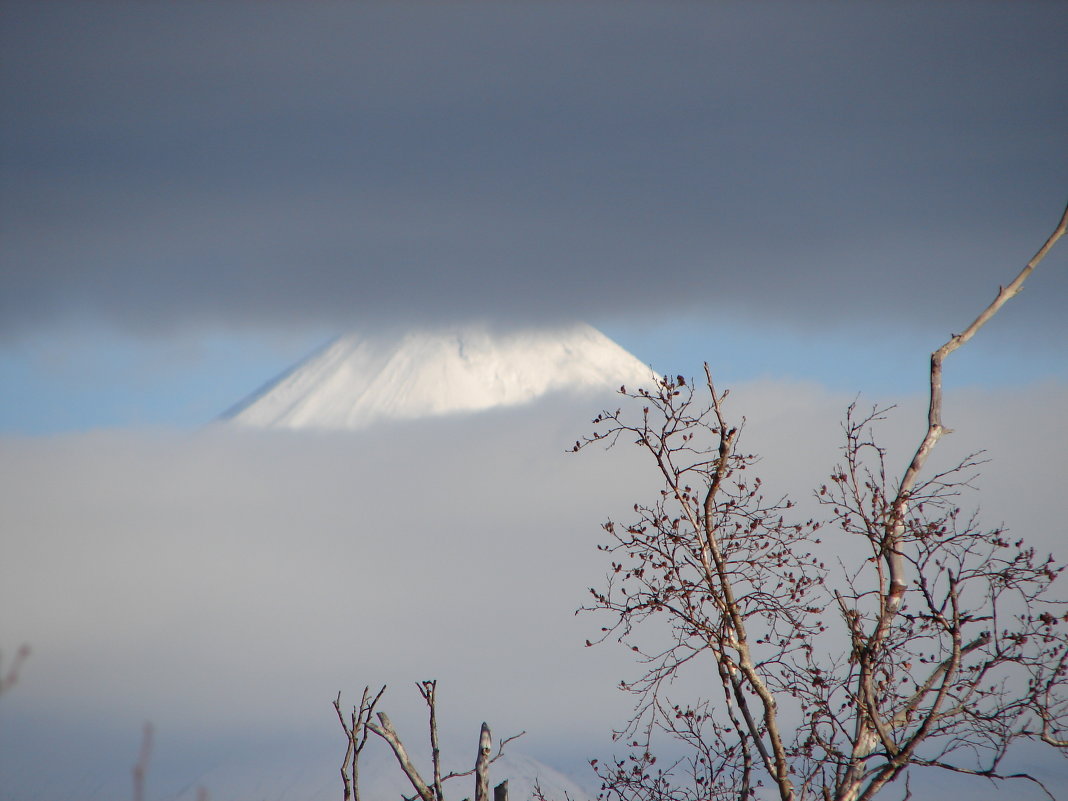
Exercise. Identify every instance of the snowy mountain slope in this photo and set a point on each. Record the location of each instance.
(357, 380)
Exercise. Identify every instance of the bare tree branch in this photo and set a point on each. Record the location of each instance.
(11, 677)
(356, 734)
(956, 648)
(485, 749)
(360, 726)
(428, 689)
(140, 768)
(386, 731)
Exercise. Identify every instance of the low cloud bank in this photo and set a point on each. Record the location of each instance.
(226, 584)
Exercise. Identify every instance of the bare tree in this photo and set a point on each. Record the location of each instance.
(940, 648)
(356, 734)
(10, 677)
(359, 725)
(140, 768)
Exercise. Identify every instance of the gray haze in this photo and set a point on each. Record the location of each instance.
(172, 165)
(226, 586)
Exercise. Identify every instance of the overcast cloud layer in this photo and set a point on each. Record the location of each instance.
(174, 165)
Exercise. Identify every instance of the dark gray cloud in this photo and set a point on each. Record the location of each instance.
(169, 165)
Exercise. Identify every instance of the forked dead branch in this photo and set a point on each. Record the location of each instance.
(360, 724)
(941, 648)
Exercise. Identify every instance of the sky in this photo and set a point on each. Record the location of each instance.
(193, 196)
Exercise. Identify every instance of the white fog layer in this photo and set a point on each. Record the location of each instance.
(226, 585)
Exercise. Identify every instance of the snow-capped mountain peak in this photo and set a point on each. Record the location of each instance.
(357, 380)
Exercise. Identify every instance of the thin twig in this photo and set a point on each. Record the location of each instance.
(140, 768)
